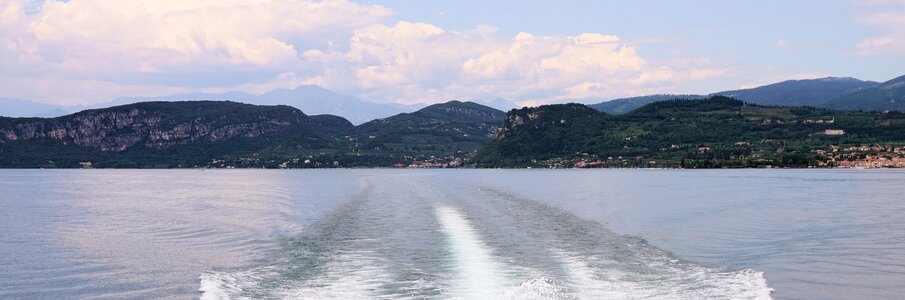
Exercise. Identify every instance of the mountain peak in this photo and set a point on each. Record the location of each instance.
(465, 111)
(832, 78)
(898, 81)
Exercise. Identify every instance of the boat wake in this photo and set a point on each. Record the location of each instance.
(404, 239)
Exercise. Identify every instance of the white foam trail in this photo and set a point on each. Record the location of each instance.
(212, 289)
(352, 276)
(588, 285)
(479, 276)
(223, 286)
(591, 283)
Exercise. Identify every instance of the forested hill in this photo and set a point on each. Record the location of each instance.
(452, 129)
(713, 132)
(624, 105)
(230, 134)
(889, 95)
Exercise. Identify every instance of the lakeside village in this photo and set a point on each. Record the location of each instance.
(852, 157)
(320, 162)
(857, 157)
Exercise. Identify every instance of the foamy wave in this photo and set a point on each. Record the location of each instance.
(679, 281)
(749, 284)
(221, 286)
(465, 253)
(351, 276)
(537, 288)
(478, 273)
(359, 277)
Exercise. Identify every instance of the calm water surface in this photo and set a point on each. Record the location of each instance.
(452, 234)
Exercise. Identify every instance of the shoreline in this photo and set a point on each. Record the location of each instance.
(462, 168)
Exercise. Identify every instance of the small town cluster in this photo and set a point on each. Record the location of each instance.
(875, 156)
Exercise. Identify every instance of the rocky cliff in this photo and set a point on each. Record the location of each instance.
(543, 117)
(156, 125)
(165, 134)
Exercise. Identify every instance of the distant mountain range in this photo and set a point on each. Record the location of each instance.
(832, 92)
(311, 99)
(809, 92)
(24, 108)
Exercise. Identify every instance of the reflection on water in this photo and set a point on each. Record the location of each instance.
(451, 234)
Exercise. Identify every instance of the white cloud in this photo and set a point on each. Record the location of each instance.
(118, 41)
(81, 51)
(418, 62)
(887, 19)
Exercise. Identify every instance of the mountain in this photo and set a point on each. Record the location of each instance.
(317, 100)
(498, 103)
(159, 134)
(24, 108)
(331, 125)
(168, 134)
(624, 105)
(713, 132)
(441, 130)
(889, 95)
(808, 92)
(228, 96)
(311, 99)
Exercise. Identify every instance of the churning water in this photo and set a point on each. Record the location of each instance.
(451, 234)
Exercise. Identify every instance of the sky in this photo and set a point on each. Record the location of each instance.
(407, 51)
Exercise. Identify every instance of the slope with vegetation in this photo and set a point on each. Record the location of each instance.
(713, 132)
(889, 95)
(624, 105)
(229, 134)
(448, 131)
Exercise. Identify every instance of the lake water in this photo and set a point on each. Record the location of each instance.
(452, 234)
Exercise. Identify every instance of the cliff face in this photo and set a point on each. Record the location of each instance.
(542, 117)
(155, 125)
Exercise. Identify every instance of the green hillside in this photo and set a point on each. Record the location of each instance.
(229, 134)
(889, 95)
(441, 130)
(717, 131)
